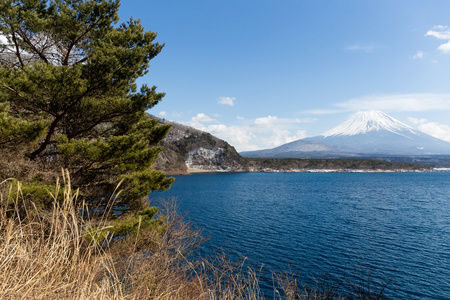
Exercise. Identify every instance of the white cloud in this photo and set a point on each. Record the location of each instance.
(265, 121)
(441, 33)
(358, 47)
(202, 118)
(416, 121)
(301, 134)
(402, 102)
(240, 118)
(273, 131)
(260, 133)
(226, 100)
(445, 48)
(440, 131)
(163, 113)
(418, 55)
(198, 120)
(279, 136)
(239, 137)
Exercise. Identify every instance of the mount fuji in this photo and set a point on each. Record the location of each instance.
(366, 133)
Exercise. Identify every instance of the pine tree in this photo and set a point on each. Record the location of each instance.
(69, 98)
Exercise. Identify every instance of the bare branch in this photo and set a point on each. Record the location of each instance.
(16, 45)
(25, 38)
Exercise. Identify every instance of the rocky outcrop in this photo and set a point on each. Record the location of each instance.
(187, 149)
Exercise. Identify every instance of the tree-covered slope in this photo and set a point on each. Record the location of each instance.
(187, 149)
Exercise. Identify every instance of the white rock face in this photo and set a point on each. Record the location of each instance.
(366, 121)
(197, 158)
(176, 134)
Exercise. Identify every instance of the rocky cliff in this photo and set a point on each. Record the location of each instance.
(187, 150)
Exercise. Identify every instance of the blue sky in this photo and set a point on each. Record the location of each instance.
(262, 73)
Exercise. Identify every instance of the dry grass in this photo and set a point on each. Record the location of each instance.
(45, 255)
(42, 254)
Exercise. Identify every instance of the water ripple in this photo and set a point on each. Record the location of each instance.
(396, 226)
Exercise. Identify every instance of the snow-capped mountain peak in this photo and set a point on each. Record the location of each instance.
(366, 133)
(365, 121)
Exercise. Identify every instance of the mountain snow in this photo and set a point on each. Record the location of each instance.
(376, 133)
(366, 121)
(366, 133)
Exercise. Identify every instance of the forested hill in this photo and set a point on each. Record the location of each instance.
(188, 150)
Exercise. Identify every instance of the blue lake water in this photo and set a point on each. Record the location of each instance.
(396, 226)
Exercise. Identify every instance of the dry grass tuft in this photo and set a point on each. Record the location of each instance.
(44, 254)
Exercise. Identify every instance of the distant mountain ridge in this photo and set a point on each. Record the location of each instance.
(298, 149)
(187, 150)
(366, 133)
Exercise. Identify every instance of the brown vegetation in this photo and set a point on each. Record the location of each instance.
(55, 255)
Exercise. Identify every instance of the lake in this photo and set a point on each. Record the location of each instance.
(395, 226)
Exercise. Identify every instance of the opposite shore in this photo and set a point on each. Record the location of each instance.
(268, 170)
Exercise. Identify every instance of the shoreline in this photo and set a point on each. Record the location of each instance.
(195, 171)
(190, 171)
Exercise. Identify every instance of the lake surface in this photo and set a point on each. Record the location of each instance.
(396, 226)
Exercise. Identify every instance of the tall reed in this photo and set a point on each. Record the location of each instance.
(51, 254)
(43, 254)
